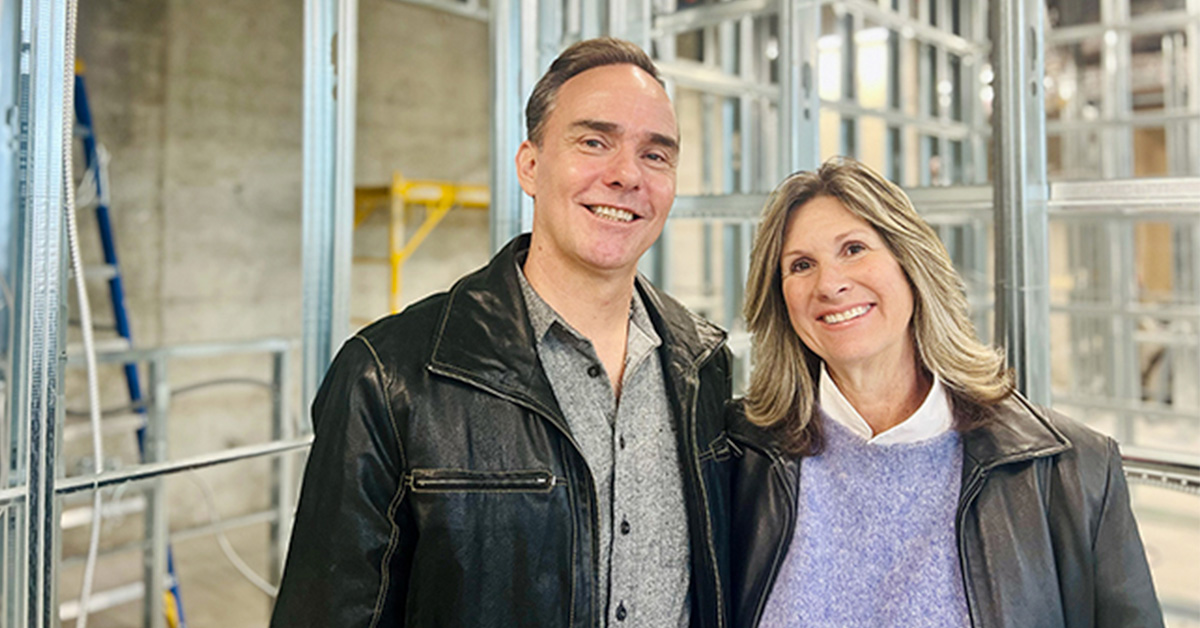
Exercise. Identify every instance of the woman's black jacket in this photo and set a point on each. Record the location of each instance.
(1046, 537)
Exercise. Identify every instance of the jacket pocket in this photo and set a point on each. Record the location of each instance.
(465, 481)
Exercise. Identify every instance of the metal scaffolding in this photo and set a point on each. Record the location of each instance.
(1092, 287)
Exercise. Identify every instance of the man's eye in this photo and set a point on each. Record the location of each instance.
(593, 143)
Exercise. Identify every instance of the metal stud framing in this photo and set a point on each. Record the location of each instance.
(330, 85)
(757, 76)
(35, 383)
(1022, 290)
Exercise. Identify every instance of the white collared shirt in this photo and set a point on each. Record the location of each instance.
(933, 418)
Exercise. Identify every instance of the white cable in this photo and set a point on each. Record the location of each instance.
(215, 519)
(85, 309)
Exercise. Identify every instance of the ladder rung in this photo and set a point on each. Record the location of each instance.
(103, 600)
(106, 345)
(128, 424)
(101, 271)
(82, 515)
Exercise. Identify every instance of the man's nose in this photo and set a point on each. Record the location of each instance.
(624, 171)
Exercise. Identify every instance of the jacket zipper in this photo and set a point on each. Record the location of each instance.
(538, 481)
(788, 528)
(694, 374)
(974, 485)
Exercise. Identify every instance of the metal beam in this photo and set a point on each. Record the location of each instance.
(697, 17)
(705, 78)
(505, 30)
(468, 10)
(1022, 278)
(40, 271)
(799, 102)
(330, 85)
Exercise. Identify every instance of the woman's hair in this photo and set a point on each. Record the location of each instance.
(783, 387)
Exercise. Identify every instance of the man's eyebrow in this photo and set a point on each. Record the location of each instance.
(665, 141)
(612, 128)
(599, 126)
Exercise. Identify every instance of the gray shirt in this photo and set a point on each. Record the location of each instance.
(630, 446)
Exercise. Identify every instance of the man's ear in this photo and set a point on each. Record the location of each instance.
(527, 163)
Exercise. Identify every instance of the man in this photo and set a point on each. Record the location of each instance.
(538, 446)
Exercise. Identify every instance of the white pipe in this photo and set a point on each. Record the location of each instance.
(85, 309)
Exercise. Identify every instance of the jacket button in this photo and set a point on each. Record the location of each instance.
(621, 441)
(594, 371)
(621, 612)
(625, 527)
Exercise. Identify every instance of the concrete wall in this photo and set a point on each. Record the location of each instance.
(423, 108)
(200, 106)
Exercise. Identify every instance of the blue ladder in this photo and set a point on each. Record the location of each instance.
(116, 290)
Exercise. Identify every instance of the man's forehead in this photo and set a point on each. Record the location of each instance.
(623, 78)
(622, 94)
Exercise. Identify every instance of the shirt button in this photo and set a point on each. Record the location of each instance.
(625, 527)
(594, 371)
(621, 613)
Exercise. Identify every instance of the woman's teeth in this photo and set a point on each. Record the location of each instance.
(841, 317)
(612, 213)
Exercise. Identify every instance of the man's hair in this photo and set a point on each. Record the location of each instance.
(578, 58)
(782, 392)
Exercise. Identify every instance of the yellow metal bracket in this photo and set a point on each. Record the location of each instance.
(438, 197)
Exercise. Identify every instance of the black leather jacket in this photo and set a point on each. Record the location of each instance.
(444, 487)
(1046, 537)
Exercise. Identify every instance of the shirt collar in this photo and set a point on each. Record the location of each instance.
(542, 317)
(932, 419)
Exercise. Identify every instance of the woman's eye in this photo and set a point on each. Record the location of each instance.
(854, 248)
(801, 265)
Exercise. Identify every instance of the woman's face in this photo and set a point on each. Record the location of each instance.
(846, 295)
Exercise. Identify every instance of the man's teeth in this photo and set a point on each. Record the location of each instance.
(612, 213)
(847, 315)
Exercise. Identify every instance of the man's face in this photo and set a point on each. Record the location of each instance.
(603, 179)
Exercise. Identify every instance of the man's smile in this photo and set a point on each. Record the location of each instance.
(615, 214)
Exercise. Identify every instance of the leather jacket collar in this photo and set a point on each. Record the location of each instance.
(1021, 433)
(484, 335)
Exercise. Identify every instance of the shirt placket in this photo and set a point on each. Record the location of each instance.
(627, 479)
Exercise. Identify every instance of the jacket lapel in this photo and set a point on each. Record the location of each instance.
(687, 341)
(1018, 433)
(484, 337)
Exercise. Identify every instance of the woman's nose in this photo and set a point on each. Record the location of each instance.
(831, 281)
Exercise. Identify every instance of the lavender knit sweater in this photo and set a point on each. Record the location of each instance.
(874, 544)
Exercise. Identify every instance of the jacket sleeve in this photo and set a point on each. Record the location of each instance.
(1124, 590)
(351, 546)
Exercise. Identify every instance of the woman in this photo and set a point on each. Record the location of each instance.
(889, 474)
